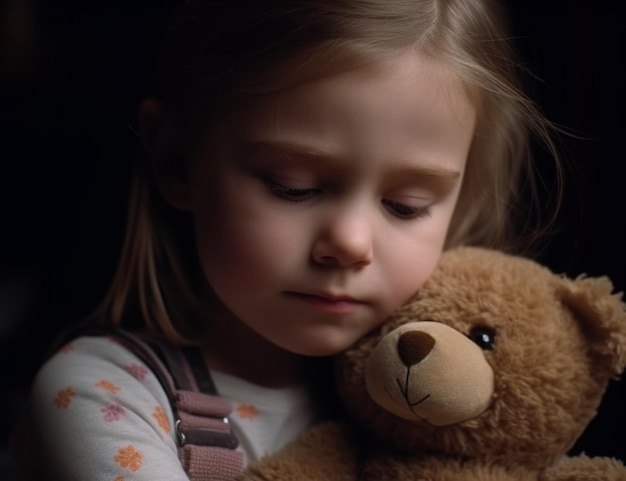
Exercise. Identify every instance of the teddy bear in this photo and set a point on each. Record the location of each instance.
(491, 372)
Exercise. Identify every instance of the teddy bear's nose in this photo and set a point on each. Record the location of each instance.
(413, 346)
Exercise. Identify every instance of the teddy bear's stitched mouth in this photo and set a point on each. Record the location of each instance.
(404, 390)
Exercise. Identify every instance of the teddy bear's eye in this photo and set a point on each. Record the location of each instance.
(483, 336)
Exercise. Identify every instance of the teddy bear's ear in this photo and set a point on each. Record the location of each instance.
(603, 317)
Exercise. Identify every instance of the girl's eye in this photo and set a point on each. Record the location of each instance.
(287, 192)
(404, 211)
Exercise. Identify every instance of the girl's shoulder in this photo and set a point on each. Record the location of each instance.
(96, 407)
(97, 364)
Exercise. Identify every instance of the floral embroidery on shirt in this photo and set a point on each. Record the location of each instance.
(129, 458)
(247, 411)
(161, 418)
(112, 412)
(69, 347)
(138, 371)
(64, 397)
(108, 386)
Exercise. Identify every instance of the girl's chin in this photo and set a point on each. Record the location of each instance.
(326, 346)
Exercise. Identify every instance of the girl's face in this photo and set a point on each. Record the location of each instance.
(320, 210)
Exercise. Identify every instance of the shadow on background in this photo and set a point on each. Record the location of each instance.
(70, 81)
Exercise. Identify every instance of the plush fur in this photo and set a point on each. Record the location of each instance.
(490, 373)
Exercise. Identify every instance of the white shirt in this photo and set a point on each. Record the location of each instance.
(101, 414)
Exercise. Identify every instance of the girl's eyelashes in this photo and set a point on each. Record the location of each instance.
(404, 211)
(290, 193)
(299, 194)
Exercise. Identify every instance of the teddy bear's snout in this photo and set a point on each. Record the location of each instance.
(430, 372)
(414, 346)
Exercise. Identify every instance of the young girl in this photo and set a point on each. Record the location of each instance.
(306, 162)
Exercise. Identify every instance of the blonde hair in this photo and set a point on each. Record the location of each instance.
(219, 53)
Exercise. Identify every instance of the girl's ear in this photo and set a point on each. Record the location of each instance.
(167, 163)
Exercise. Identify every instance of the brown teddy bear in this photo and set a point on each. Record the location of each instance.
(490, 373)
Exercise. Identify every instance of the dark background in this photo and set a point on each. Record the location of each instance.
(72, 74)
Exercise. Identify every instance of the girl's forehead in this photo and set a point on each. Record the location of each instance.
(409, 110)
(410, 80)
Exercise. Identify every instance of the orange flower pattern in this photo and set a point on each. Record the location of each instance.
(129, 458)
(64, 397)
(113, 412)
(247, 411)
(108, 386)
(161, 418)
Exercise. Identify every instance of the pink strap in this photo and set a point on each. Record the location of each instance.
(204, 463)
(203, 404)
(207, 444)
(206, 441)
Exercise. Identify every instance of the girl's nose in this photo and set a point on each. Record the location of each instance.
(345, 241)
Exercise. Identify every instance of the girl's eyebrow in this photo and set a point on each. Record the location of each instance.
(288, 148)
(401, 169)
